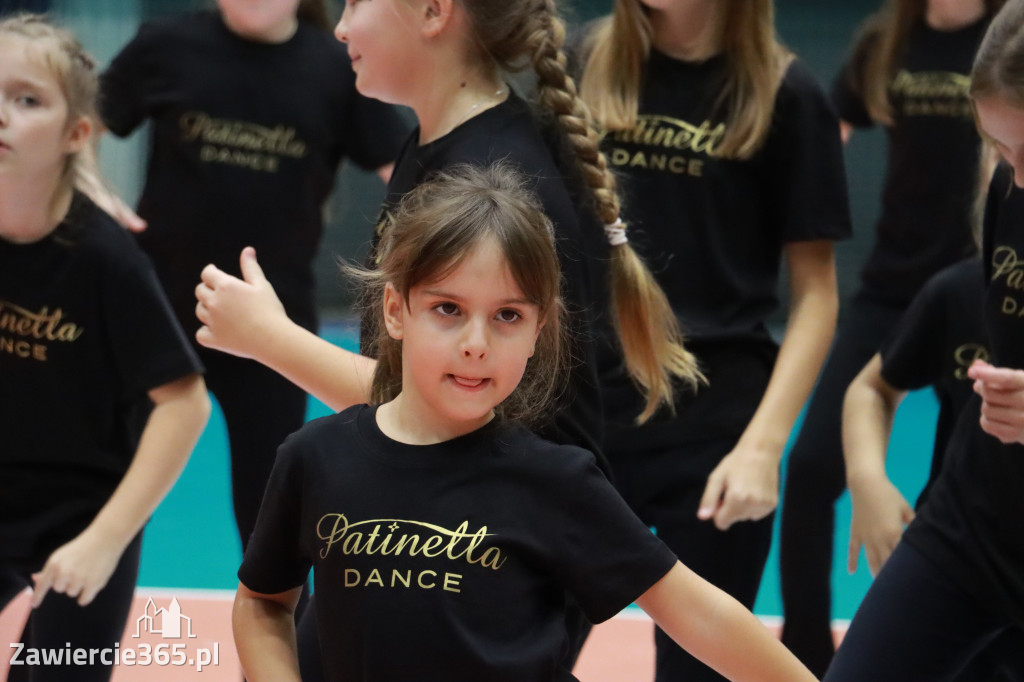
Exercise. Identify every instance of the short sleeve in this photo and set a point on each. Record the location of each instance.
(605, 556)
(912, 356)
(148, 346)
(126, 84)
(274, 561)
(806, 171)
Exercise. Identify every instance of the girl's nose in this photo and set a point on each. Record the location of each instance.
(341, 30)
(475, 342)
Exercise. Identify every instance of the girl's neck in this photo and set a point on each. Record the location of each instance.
(405, 420)
(450, 102)
(30, 211)
(690, 31)
(952, 15)
(274, 35)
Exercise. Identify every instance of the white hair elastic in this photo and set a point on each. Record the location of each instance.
(616, 233)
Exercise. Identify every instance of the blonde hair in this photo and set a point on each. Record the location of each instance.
(74, 71)
(620, 46)
(516, 35)
(880, 45)
(998, 69)
(435, 227)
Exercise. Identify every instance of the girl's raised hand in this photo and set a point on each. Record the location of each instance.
(1002, 393)
(880, 513)
(79, 569)
(237, 314)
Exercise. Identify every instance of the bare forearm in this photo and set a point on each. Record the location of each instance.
(809, 333)
(170, 434)
(868, 413)
(718, 630)
(264, 634)
(337, 377)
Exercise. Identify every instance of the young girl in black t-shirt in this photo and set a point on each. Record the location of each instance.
(253, 109)
(956, 579)
(445, 59)
(443, 535)
(908, 71)
(937, 340)
(731, 162)
(101, 394)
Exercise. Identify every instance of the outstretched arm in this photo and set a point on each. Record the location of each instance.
(718, 630)
(745, 484)
(244, 317)
(82, 567)
(880, 512)
(264, 630)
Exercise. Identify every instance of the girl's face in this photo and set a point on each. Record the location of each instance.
(36, 136)
(269, 21)
(382, 36)
(465, 340)
(1003, 124)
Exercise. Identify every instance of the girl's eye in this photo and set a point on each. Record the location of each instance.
(28, 101)
(447, 309)
(508, 315)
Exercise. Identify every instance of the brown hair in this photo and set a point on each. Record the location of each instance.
(72, 67)
(315, 13)
(435, 227)
(516, 35)
(880, 45)
(621, 44)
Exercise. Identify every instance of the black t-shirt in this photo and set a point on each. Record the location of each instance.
(510, 132)
(937, 339)
(246, 140)
(932, 175)
(713, 229)
(85, 332)
(449, 561)
(973, 522)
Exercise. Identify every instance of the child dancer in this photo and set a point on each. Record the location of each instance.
(731, 161)
(956, 579)
(101, 394)
(908, 72)
(442, 530)
(939, 337)
(253, 108)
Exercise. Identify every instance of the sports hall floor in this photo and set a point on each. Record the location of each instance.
(190, 553)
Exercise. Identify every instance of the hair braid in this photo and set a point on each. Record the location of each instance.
(651, 340)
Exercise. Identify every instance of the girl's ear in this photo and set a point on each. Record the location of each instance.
(394, 312)
(437, 14)
(78, 135)
(540, 328)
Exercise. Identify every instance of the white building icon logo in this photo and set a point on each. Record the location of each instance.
(170, 621)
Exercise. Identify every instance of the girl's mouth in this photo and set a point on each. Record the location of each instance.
(464, 382)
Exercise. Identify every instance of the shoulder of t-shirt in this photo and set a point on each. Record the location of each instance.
(327, 428)
(957, 277)
(184, 26)
(97, 233)
(800, 82)
(552, 461)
